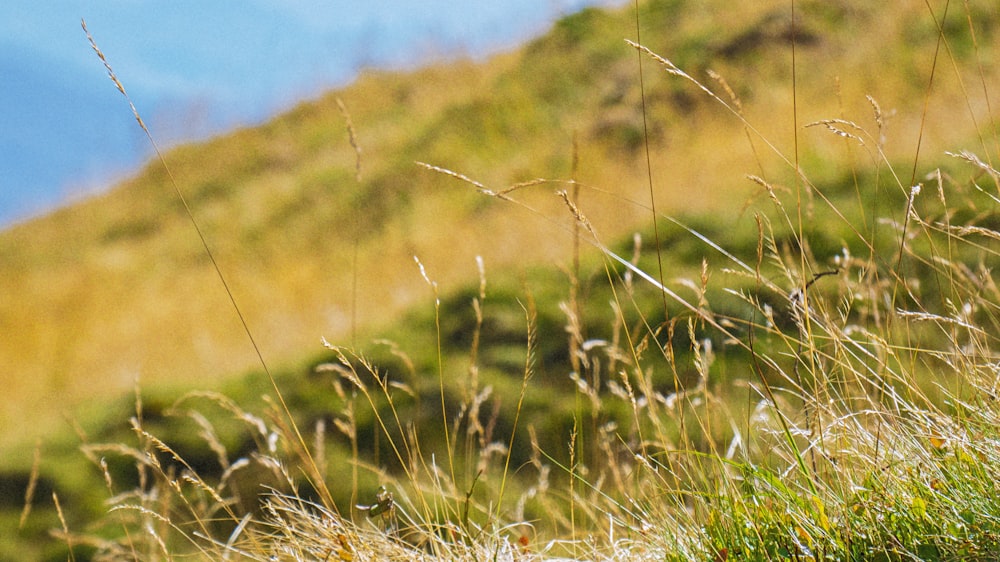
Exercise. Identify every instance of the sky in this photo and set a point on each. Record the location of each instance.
(195, 68)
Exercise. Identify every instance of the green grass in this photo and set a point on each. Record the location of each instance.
(582, 403)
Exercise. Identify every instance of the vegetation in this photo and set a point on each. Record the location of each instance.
(798, 366)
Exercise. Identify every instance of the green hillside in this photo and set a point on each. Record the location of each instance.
(318, 240)
(118, 287)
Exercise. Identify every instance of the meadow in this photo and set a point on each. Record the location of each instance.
(692, 281)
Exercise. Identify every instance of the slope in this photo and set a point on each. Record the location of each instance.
(117, 287)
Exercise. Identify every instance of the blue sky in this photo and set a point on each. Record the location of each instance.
(199, 67)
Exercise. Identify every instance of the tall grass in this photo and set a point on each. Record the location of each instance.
(774, 401)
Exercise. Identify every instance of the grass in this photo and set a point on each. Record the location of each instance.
(99, 283)
(867, 433)
(809, 376)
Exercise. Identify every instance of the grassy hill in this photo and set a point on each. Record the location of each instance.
(118, 286)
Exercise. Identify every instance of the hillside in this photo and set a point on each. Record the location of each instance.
(118, 287)
(827, 388)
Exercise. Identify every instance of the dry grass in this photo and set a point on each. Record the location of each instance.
(860, 423)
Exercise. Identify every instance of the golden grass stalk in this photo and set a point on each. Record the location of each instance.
(303, 450)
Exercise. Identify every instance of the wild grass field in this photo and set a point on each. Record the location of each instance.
(692, 281)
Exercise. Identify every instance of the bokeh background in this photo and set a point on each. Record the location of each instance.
(196, 69)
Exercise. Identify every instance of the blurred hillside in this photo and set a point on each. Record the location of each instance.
(118, 286)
